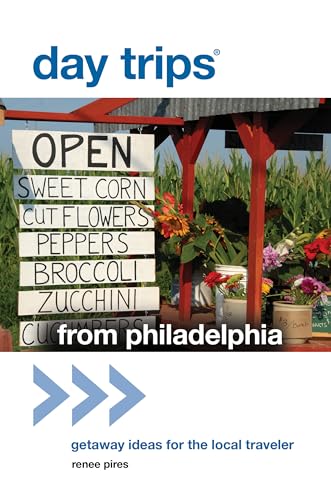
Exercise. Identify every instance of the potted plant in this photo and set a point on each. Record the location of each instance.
(231, 301)
(293, 314)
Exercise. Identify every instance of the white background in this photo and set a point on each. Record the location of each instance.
(279, 49)
(202, 396)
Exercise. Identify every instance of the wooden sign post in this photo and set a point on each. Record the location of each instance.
(101, 250)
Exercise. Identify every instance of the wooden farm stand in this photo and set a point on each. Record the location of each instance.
(264, 125)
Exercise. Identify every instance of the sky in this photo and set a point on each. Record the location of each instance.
(213, 146)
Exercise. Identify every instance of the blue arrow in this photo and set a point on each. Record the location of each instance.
(132, 395)
(56, 395)
(95, 395)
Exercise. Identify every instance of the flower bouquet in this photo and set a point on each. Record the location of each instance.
(201, 236)
(231, 299)
(231, 287)
(305, 290)
(287, 251)
(182, 239)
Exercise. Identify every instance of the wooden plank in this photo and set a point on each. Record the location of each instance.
(37, 333)
(89, 188)
(298, 142)
(48, 244)
(84, 216)
(80, 272)
(44, 116)
(90, 300)
(40, 150)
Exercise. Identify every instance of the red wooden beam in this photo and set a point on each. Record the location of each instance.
(188, 145)
(103, 106)
(72, 117)
(95, 112)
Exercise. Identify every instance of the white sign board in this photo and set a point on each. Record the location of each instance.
(36, 333)
(89, 300)
(84, 216)
(83, 151)
(68, 152)
(64, 187)
(40, 244)
(80, 272)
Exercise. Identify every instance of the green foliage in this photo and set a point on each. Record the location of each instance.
(9, 262)
(170, 179)
(215, 180)
(8, 210)
(234, 253)
(303, 194)
(164, 280)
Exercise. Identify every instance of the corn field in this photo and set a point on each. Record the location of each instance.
(303, 194)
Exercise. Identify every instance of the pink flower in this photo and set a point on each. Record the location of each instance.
(311, 286)
(270, 259)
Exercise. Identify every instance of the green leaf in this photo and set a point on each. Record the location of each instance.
(189, 252)
(203, 240)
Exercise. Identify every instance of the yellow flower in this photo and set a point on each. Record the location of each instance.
(265, 288)
(217, 227)
(172, 224)
(210, 220)
(326, 233)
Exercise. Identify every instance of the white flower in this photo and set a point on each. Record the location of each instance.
(324, 298)
(284, 247)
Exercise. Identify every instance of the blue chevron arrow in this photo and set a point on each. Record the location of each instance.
(95, 395)
(132, 395)
(56, 395)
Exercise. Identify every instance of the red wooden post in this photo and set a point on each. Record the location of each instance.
(256, 140)
(188, 147)
(6, 342)
(260, 144)
(185, 270)
(256, 220)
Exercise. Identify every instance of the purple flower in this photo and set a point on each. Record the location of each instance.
(271, 259)
(311, 286)
(307, 285)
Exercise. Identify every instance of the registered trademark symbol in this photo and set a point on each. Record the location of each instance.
(217, 52)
